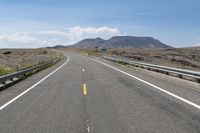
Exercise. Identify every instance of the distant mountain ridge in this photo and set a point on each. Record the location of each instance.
(57, 46)
(90, 43)
(121, 42)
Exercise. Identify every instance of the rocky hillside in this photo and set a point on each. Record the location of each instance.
(121, 42)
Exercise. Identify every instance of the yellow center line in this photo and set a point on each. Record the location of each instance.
(84, 89)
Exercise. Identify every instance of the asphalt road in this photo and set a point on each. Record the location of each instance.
(86, 96)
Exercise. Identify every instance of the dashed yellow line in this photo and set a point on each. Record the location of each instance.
(84, 89)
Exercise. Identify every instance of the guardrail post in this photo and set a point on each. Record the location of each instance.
(198, 80)
(180, 76)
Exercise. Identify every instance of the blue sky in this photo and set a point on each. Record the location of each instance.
(36, 23)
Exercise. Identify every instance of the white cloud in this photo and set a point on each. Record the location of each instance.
(54, 32)
(197, 44)
(56, 37)
(90, 32)
(18, 38)
(78, 33)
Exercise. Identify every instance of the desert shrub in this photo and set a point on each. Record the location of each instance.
(7, 52)
(7, 70)
(44, 52)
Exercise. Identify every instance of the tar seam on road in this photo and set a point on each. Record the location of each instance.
(24, 92)
(150, 84)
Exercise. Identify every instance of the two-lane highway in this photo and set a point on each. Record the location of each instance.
(87, 96)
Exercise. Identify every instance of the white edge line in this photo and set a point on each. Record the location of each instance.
(150, 84)
(24, 92)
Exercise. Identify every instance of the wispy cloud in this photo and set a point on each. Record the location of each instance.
(53, 32)
(18, 38)
(197, 41)
(77, 33)
(56, 37)
(21, 40)
(90, 32)
(197, 38)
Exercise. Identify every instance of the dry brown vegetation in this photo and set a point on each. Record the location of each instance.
(13, 59)
(186, 58)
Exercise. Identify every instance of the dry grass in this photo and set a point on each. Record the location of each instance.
(23, 58)
(186, 58)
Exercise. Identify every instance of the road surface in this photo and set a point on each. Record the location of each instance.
(83, 96)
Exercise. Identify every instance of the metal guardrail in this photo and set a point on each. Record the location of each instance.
(181, 73)
(23, 73)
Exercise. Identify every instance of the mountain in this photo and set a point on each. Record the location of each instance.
(121, 42)
(57, 46)
(90, 43)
